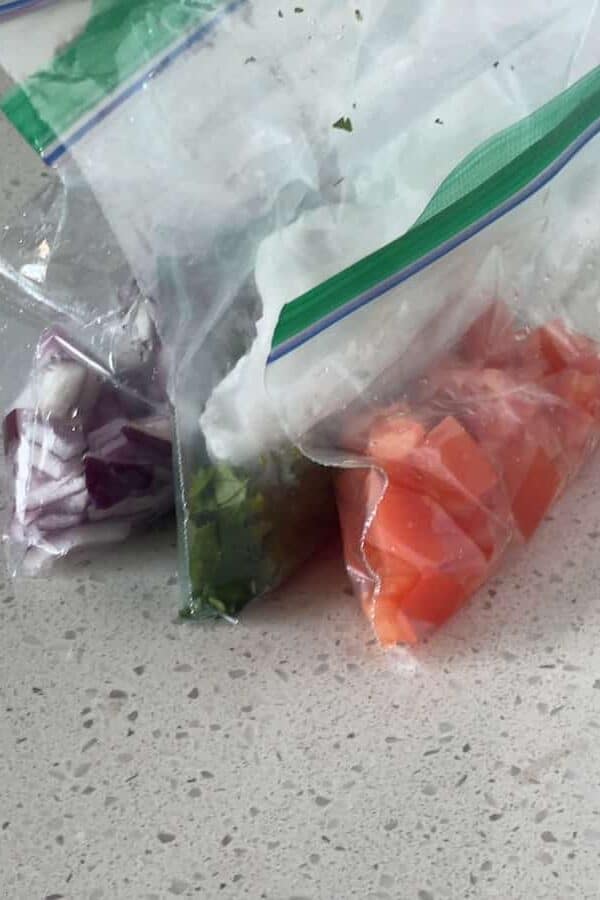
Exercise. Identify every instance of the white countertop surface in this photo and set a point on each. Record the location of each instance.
(288, 758)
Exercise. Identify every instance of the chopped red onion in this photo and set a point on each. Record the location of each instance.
(59, 387)
(58, 521)
(32, 456)
(67, 445)
(135, 507)
(41, 492)
(91, 458)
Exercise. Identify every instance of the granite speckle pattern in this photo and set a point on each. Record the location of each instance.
(288, 757)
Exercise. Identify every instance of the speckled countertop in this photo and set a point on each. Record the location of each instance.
(289, 758)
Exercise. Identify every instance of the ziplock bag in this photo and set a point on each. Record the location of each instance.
(89, 450)
(458, 368)
(206, 131)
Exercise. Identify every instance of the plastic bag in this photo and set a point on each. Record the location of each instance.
(89, 449)
(458, 368)
(325, 131)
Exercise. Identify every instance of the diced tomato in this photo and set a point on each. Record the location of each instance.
(462, 457)
(445, 382)
(578, 433)
(503, 407)
(562, 348)
(518, 412)
(452, 469)
(542, 429)
(486, 523)
(396, 578)
(463, 480)
(355, 431)
(576, 414)
(396, 575)
(391, 439)
(517, 457)
(540, 483)
(416, 529)
(436, 598)
(490, 336)
(577, 389)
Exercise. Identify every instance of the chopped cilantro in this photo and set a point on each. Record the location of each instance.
(248, 531)
(344, 124)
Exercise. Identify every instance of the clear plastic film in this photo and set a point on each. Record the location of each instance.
(89, 449)
(241, 153)
(453, 376)
(87, 427)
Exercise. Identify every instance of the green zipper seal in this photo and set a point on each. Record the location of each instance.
(486, 181)
(120, 38)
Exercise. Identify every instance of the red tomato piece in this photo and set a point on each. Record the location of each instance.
(462, 457)
(563, 348)
(436, 598)
(578, 433)
(391, 439)
(462, 479)
(491, 336)
(451, 468)
(396, 576)
(511, 405)
(416, 529)
(577, 389)
(354, 433)
(488, 524)
(540, 485)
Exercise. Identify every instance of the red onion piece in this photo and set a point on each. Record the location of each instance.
(110, 483)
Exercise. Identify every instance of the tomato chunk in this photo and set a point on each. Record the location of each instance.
(391, 439)
(491, 336)
(436, 598)
(562, 348)
(462, 457)
(396, 576)
(416, 529)
(577, 389)
(540, 482)
(486, 523)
